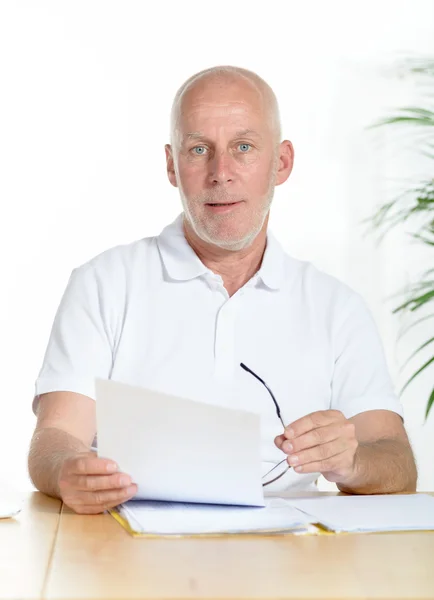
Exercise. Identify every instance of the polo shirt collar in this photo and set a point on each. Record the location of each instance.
(182, 263)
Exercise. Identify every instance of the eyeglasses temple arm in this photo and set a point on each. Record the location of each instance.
(243, 366)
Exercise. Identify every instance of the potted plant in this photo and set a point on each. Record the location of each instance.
(415, 208)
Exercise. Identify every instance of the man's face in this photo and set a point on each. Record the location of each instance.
(225, 161)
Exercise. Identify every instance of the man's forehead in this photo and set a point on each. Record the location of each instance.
(208, 100)
(192, 135)
(223, 90)
(238, 121)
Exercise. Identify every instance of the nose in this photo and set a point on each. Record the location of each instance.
(220, 168)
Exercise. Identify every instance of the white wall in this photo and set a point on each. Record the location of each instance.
(86, 89)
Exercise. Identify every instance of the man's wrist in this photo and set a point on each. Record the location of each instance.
(353, 478)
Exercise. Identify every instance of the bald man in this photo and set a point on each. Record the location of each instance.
(213, 308)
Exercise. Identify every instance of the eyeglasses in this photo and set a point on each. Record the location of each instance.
(282, 467)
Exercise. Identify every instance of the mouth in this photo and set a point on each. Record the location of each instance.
(222, 207)
(221, 203)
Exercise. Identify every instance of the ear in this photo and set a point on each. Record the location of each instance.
(285, 162)
(170, 166)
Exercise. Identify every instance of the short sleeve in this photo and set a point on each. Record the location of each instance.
(79, 347)
(361, 380)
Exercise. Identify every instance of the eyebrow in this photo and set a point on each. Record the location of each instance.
(197, 135)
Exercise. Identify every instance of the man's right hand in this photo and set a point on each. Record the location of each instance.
(90, 485)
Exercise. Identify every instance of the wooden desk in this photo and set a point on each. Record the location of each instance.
(94, 557)
(26, 545)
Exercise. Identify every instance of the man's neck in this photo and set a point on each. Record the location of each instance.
(234, 267)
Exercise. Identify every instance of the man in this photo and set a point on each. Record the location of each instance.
(180, 312)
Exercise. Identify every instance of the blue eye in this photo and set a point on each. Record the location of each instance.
(202, 148)
(244, 147)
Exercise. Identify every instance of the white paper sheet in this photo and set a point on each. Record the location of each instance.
(177, 449)
(169, 518)
(11, 501)
(9, 509)
(370, 513)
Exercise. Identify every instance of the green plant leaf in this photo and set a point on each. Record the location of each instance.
(430, 403)
(418, 372)
(419, 66)
(423, 239)
(415, 201)
(424, 345)
(415, 303)
(407, 329)
(430, 152)
(407, 119)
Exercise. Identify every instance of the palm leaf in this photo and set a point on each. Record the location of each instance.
(415, 303)
(424, 345)
(430, 403)
(418, 200)
(418, 372)
(420, 66)
(430, 152)
(423, 239)
(412, 115)
(407, 329)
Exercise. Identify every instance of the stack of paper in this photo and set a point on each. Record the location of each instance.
(397, 512)
(175, 518)
(337, 513)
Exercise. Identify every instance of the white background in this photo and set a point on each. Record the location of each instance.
(86, 89)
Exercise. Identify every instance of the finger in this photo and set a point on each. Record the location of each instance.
(89, 510)
(100, 482)
(279, 441)
(313, 438)
(318, 453)
(92, 465)
(319, 418)
(104, 498)
(92, 509)
(332, 464)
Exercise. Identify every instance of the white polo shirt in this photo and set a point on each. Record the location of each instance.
(151, 314)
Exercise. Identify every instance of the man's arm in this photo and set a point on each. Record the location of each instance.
(367, 454)
(65, 428)
(384, 461)
(61, 463)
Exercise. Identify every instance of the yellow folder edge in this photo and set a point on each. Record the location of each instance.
(315, 530)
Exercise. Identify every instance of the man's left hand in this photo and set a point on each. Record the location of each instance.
(322, 442)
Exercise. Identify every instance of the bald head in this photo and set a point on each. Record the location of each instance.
(223, 81)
